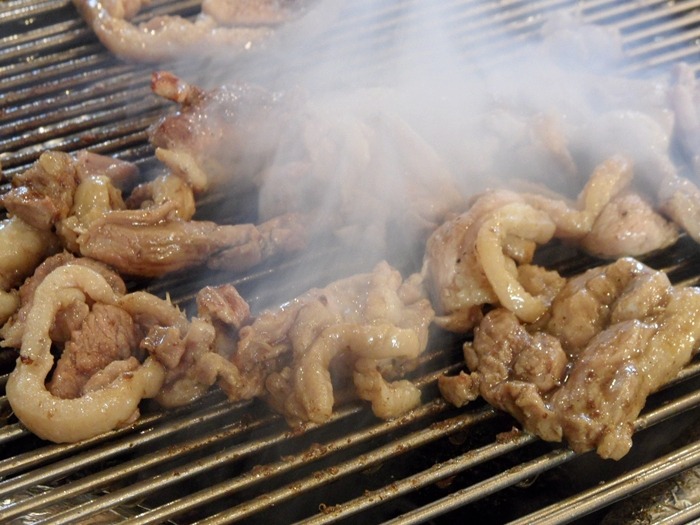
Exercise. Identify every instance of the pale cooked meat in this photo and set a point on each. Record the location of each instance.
(685, 100)
(338, 158)
(680, 200)
(224, 308)
(223, 304)
(22, 248)
(628, 226)
(608, 179)
(115, 349)
(616, 334)
(460, 389)
(362, 328)
(591, 301)
(475, 259)
(43, 194)
(66, 420)
(148, 234)
(167, 246)
(470, 261)
(224, 26)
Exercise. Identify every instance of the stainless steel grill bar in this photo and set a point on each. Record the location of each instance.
(21, 9)
(66, 459)
(158, 481)
(469, 460)
(436, 473)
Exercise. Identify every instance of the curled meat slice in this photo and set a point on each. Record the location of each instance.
(520, 221)
(471, 260)
(65, 420)
(68, 319)
(227, 25)
(680, 199)
(616, 334)
(168, 246)
(349, 160)
(366, 329)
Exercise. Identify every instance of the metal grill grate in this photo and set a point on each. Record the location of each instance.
(217, 462)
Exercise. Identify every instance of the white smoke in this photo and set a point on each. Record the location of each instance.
(499, 107)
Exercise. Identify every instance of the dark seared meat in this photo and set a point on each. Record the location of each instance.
(219, 138)
(615, 335)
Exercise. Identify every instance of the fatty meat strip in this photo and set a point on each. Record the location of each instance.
(611, 337)
(149, 234)
(229, 26)
(483, 256)
(117, 348)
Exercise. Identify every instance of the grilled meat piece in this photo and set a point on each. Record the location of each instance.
(455, 270)
(348, 160)
(22, 248)
(68, 318)
(365, 329)
(105, 335)
(475, 258)
(614, 335)
(148, 234)
(167, 246)
(224, 26)
(629, 226)
(221, 138)
(97, 410)
(680, 200)
(43, 194)
(115, 349)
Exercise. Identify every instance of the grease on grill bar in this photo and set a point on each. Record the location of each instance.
(215, 462)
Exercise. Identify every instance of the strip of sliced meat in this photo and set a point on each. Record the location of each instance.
(615, 334)
(167, 246)
(225, 26)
